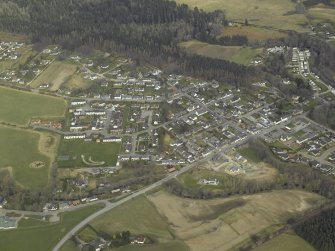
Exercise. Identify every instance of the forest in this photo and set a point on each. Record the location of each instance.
(319, 230)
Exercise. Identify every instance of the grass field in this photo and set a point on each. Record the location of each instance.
(139, 216)
(76, 81)
(320, 14)
(269, 13)
(252, 33)
(99, 152)
(18, 107)
(43, 238)
(19, 149)
(287, 242)
(248, 153)
(55, 75)
(222, 224)
(236, 54)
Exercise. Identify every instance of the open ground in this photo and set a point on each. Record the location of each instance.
(287, 242)
(139, 216)
(18, 107)
(98, 152)
(27, 154)
(236, 54)
(35, 236)
(268, 13)
(55, 75)
(202, 224)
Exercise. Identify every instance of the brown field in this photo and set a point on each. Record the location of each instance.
(48, 144)
(12, 37)
(56, 74)
(221, 224)
(76, 81)
(252, 33)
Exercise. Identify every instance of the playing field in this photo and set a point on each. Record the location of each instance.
(18, 107)
(252, 33)
(236, 54)
(287, 242)
(25, 156)
(222, 224)
(139, 216)
(269, 13)
(97, 152)
(55, 75)
(43, 238)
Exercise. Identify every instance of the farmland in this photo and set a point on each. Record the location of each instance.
(19, 151)
(236, 54)
(43, 238)
(18, 107)
(139, 216)
(201, 224)
(269, 13)
(320, 14)
(55, 75)
(287, 242)
(98, 152)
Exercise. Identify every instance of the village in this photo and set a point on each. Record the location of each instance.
(167, 120)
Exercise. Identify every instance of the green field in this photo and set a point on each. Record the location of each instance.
(252, 33)
(320, 14)
(236, 54)
(139, 216)
(99, 152)
(18, 149)
(250, 154)
(287, 242)
(18, 107)
(55, 75)
(269, 13)
(43, 238)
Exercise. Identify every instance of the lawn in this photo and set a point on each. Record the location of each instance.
(99, 152)
(43, 238)
(252, 33)
(287, 242)
(18, 107)
(19, 149)
(55, 75)
(236, 54)
(269, 13)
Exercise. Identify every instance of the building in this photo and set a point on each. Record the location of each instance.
(211, 181)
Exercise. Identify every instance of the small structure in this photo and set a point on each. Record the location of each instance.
(211, 181)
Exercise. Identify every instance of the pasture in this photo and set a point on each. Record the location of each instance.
(268, 13)
(139, 216)
(20, 150)
(55, 75)
(12, 37)
(18, 107)
(321, 14)
(236, 54)
(97, 152)
(201, 224)
(287, 242)
(43, 238)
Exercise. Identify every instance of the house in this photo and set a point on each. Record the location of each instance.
(111, 139)
(75, 136)
(211, 181)
(138, 240)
